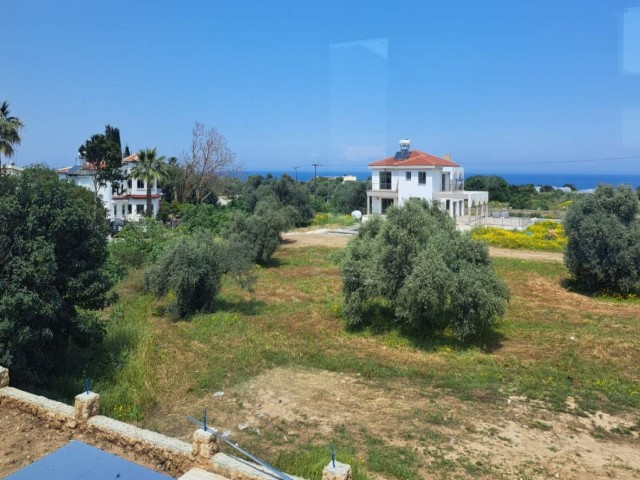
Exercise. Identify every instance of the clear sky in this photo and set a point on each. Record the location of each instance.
(498, 84)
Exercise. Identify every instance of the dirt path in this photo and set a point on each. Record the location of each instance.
(325, 238)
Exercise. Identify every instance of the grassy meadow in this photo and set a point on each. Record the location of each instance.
(553, 345)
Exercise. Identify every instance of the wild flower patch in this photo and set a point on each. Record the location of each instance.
(547, 236)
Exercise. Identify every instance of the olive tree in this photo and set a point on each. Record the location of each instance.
(425, 274)
(603, 249)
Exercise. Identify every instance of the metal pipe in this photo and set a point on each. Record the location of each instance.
(275, 471)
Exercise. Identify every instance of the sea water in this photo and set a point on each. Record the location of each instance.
(580, 181)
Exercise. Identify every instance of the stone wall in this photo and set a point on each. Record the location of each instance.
(172, 454)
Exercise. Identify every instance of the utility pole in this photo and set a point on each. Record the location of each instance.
(315, 171)
(296, 169)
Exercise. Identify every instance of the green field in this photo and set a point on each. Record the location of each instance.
(288, 336)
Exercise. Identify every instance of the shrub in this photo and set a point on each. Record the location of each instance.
(603, 250)
(261, 231)
(140, 242)
(191, 271)
(418, 269)
(203, 217)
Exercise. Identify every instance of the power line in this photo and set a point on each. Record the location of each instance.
(315, 170)
(538, 162)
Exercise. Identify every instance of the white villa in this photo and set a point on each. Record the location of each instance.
(415, 174)
(129, 202)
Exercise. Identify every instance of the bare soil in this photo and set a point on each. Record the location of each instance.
(25, 439)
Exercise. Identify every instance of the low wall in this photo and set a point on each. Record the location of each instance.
(172, 454)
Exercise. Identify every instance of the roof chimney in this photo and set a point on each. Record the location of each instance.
(447, 156)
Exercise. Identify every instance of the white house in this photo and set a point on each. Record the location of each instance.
(129, 202)
(415, 174)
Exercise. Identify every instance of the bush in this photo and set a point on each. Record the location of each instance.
(53, 251)
(203, 217)
(417, 268)
(140, 242)
(261, 231)
(191, 271)
(603, 250)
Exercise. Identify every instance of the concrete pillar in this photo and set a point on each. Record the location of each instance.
(4, 377)
(86, 405)
(205, 444)
(341, 471)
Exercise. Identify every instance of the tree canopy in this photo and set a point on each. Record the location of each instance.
(421, 273)
(9, 132)
(52, 250)
(150, 168)
(102, 154)
(603, 230)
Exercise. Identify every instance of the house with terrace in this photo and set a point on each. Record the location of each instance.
(416, 174)
(129, 201)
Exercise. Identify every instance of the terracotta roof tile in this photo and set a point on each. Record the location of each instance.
(416, 159)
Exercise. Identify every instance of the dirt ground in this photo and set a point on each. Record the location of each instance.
(24, 439)
(326, 238)
(518, 439)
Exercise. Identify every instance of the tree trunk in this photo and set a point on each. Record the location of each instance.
(148, 198)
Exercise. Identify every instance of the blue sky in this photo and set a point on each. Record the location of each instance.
(501, 85)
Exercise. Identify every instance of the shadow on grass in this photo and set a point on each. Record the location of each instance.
(249, 308)
(572, 285)
(381, 322)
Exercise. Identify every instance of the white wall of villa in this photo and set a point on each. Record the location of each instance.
(129, 202)
(420, 175)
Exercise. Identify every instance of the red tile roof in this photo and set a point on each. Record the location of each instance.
(416, 159)
(130, 158)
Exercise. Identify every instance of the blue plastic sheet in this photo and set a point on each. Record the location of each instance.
(77, 460)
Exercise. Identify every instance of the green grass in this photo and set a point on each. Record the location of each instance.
(292, 319)
(332, 220)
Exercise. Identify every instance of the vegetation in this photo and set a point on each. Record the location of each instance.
(103, 155)
(149, 168)
(260, 232)
(603, 250)
(292, 320)
(521, 196)
(191, 270)
(545, 236)
(52, 252)
(417, 270)
(9, 132)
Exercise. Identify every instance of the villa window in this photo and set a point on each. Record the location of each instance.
(129, 184)
(422, 178)
(129, 209)
(408, 176)
(139, 209)
(385, 180)
(140, 184)
(115, 211)
(386, 203)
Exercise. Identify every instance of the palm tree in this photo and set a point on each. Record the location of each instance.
(149, 168)
(9, 132)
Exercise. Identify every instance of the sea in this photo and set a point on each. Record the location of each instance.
(580, 181)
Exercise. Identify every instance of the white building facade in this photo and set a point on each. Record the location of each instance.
(129, 202)
(415, 174)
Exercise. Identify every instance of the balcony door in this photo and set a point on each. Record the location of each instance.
(385, 180)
